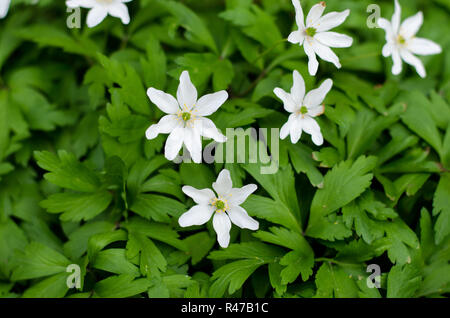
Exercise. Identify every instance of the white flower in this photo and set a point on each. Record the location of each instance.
(185, 121)
(303, 109)
(4, 7)
(315, 36)
(101, 8)
(225, 207)
(402, 42)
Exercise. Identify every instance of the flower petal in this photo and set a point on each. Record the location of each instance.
(202, 197)
(81, 3)
(311, 127)
(298, 89)
(4, 8)
(288, 102)
(174, 143)
(397, 66)
(299, 17)
(286, 129)
(313, 64)
(296, 129)
(387, 49)
(208, 129)
(387, 27)
(95, 16)
(316, 110)
(296, 37)
(315, 13)
(423, 46)
(222, 226)
(119, 10)
(193, 142)
(166, 102)
(239, 195)
(333, 39)
(164, 126)
(411, 25)
(331, 20)
(409, 58)
(197, 215)
(240, 217)
(186, 93)
(396, 17)
(316, 96)
(208, 104)
(325, 53)
(223, 184)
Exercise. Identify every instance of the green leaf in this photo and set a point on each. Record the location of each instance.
(332, 281)
(441, 208)
(403, 281)
(121, 286)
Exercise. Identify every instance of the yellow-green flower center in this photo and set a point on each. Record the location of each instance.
(186, 116)
(303, 110)
(220, 205)
(401, 39)
(311, 31)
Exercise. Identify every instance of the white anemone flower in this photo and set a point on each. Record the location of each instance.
(316, 37)
(225, 207)
(4, 7)
(101, 8)
(402, 42)
(185, 121)
(303, 109)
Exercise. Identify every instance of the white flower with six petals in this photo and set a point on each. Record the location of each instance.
(303, 109)
(185, 122)
(4, 7)
(402, 42)
(225, 207)
(316, 37)
(101, 8)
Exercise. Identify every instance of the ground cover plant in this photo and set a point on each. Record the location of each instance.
(352, 201)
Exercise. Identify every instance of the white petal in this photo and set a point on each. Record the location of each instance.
(387, 27)
(119, 10)
(423, 46)
(396, 17)
(208, 104)
(166, 102)
(397, 66)
(239, 195)
(186, 93)
(299, 18)
(316, 110)
(4, 7)
(288, 102)
(333, 39)
(411, 26)
(202, 197)
(193, 143)
(222, 226)
(286, 129)
(325, 53)
(197, 215)
(223, 184)
(298, 89)
(387, 49)
(313, 64)
(208, 129)
(316, 96)
(164, 126)
(310, 126)
(409, 58)
(331, 20)
(95, 16)
(174, 143)
(240, 217)
(296, 130)
(81, 3)
(315, 13)
(296, 37)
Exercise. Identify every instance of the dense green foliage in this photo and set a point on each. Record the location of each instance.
(80, 184)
